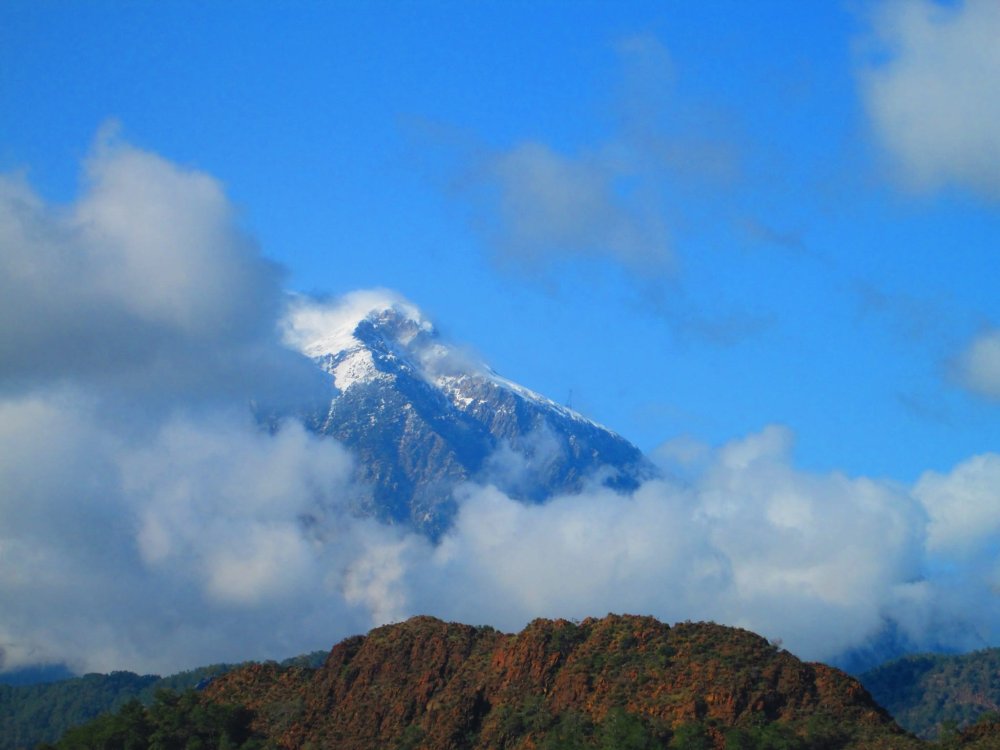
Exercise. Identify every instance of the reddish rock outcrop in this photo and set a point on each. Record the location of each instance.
(430, 684)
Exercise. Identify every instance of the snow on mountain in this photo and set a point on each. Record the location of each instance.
(327, 334)
(422, 415)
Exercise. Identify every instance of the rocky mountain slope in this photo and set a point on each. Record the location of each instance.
(421, 416)
(620, 681)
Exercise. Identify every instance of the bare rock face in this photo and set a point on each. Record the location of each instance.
(430, 684)
(421, 416)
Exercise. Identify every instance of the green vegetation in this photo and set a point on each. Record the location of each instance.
(617, 731)
(619, 683)
(32, 714)
(174, 721)
(932, 693)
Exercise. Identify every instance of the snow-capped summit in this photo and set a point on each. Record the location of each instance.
(327, 332)
(318, 328)
(423, 415)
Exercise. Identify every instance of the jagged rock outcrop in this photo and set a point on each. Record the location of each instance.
(430, 684)
(421, 416)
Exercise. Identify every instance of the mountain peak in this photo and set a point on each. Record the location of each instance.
(329, 328)
(422, 416)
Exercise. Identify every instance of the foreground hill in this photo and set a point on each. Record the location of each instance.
(931, 692)
(620, 681)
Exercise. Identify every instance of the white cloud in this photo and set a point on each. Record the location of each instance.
(818, 560)
(932, 88)
(319, 328)
(979, 365)
(146, 522)
(143, 510)
(145, 279)
(963, 505)
(550, 204)
(208, 538)
(613, 198)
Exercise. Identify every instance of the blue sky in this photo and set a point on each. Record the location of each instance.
(693, 220)
(807, 284)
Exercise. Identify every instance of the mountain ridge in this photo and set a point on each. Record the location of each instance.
(620, 681)
(429, 684)
(931, 692)
(422, 416)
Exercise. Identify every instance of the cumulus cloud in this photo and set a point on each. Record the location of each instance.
(145, 279)
(168, 551)
(978, 366)
(931, 84)
(147, 521)
(817, 560)
(963, 505)
(143, 507)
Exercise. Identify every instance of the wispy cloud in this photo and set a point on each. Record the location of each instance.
(612, 198)
(978, 366)
(550, 206)
(931, 82)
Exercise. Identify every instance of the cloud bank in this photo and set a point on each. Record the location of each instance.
(147, 521)
(932, 88)
(145, 518)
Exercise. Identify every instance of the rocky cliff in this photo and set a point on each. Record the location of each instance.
(430, 684)
(421, 416)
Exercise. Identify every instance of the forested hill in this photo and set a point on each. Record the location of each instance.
(931, 692)
(30, 714)
(621, 682)
(616, 682)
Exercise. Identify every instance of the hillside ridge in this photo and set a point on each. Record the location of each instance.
(425, 683)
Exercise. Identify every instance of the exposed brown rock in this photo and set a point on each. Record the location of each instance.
(430, 684)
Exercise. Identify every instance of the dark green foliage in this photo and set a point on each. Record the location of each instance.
(767, 737)
(531, 717)
(30, 714)
(823, 732)
(181, 681)
(572, 731)
(625, 731)
(173, 721)
(411, 739)
(564, 638)
(924, 692)
(691, 736)
(312, 660)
